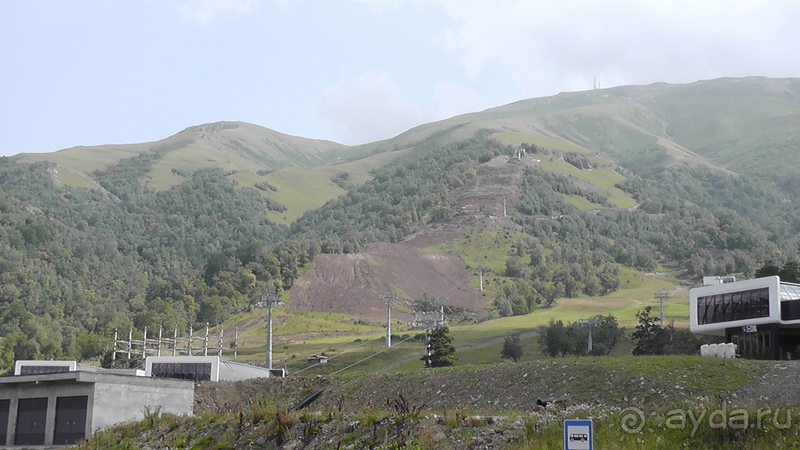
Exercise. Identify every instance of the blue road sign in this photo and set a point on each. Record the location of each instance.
(578, 434)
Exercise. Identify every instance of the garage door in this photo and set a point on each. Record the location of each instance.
(70, 419)
(31, 418)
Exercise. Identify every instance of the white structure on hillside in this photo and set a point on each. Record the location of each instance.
(760, 316)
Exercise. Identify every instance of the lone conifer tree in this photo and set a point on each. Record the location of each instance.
(512, 348)
(441, 352)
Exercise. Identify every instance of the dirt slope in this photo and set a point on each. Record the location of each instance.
(352, 284)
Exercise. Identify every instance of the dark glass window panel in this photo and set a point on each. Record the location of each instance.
(790, 310)
(738, 309)
(183, 371)
(726, 307)
(34, 370)
(31, 420)
(733, 306)
(70, 419)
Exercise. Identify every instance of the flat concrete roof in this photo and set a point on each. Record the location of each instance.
(93, 377)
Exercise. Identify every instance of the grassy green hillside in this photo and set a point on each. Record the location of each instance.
(739, 124)
(300, 168)
(301, 188)
(232, 146)
(634, 403)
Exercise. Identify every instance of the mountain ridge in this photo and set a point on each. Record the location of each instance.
(231, 146)
(711, 123)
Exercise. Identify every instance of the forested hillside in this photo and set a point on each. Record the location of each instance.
(566, 252)
(77, 262)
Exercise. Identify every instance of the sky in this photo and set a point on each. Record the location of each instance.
(88, 72)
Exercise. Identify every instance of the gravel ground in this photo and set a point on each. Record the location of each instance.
(516, 387)
(778, 385)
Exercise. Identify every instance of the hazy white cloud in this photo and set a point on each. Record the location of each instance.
(368, 110)
(551, 46)
(202, 11)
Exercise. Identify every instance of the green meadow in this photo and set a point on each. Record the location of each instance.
(357, 346)
(605, 178)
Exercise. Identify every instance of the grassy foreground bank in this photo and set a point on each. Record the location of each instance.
(634, 402)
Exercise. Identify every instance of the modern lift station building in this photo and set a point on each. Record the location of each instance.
(761, 316)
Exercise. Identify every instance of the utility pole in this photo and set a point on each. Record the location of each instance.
(269, 301)
(589, 323)
(440, 300)
(388, 297)
(480, 268)
(661, 296)
(430, 319)
(235, 342)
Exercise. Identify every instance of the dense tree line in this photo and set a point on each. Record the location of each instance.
(788, 272)
(571, 253)
(75, 263)
(558, 339)
(744, 200)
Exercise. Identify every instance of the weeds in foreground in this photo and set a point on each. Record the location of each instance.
(702, 424)
(401, 407)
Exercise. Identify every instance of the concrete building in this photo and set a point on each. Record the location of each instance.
(53, 409)
(201, 368)
(55, 403)
(317, 359)
(761, 317)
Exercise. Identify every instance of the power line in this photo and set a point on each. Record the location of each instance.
(334, 356)
(342, 352)
(370, 356)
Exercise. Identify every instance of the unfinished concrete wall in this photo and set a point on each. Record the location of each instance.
(115, 402)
